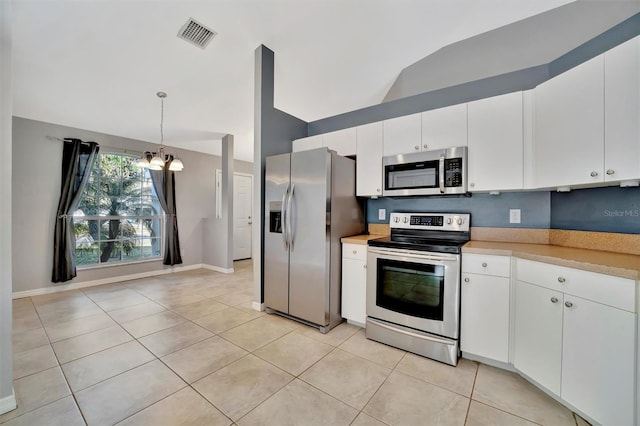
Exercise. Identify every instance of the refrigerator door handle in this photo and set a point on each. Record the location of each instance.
(288, 221)
(283, 218)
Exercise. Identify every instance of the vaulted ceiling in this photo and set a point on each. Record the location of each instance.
(97, 64)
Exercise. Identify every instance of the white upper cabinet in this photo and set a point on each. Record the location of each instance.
(369, 160)
(342, 141)
(496, 143)
(444, 127)
(304, 144)
(402, 134)
(622, 111)
(569, 127)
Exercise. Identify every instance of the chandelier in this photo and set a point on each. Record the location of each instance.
(159, 159)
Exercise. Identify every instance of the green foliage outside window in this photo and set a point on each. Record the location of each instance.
(119, 218)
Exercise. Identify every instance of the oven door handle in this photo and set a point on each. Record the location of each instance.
(414, 255)
(409, 333)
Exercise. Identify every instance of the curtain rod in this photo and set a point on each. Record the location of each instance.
(103, 148)
(54, 138)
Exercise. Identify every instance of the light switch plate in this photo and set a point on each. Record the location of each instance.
(514, 215)
(382, 214)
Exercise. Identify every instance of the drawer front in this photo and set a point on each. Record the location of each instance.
(354, 251)
(486, 264)
(613, 291)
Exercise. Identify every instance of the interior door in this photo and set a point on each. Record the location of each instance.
(242, 194)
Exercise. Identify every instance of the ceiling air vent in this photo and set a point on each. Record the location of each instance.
(196, 33)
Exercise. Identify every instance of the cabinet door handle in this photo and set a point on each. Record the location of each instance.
(561, 279)
(610, 172)
(472, 184)
(466, 280)
(425, 146)
(355, 252)
(484, 264)
(364, 266)
(554, 300)
(417, 147)
(568, 304)
(378, 190)
(594, 174)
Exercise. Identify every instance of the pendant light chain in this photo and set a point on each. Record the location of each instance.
(162, 120)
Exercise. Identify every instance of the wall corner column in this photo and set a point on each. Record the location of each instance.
(7, 396)
(227, 197)
(273, 132)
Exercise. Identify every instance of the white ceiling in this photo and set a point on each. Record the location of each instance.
(97, 64)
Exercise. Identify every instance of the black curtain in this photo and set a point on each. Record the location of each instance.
(77, 160)
(164, 183)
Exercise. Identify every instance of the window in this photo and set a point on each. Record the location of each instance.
(119, 218)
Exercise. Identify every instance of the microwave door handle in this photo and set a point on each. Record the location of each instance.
(283, 218)
(441, 173)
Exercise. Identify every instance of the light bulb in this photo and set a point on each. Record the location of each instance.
(176, 165)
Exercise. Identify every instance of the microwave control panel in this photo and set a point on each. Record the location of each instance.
(453, 172)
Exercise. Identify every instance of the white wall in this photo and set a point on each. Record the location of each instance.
(36, 191)
(7, 399)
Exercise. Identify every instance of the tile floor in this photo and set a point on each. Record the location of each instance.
(187, 348)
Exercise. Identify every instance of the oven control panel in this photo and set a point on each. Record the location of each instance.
(431, 221)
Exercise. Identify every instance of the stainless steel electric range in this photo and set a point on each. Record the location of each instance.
(413, 284)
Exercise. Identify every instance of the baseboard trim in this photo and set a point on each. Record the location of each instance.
(218, 269)
(8, 403)
(109, 280)
(257, 306)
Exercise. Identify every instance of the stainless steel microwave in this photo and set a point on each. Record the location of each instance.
(437, 172)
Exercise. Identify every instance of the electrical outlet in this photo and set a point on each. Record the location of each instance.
(382, 214)
(514, 215)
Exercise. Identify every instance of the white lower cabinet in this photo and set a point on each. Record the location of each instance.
(354, 283)
(580, 349)
(538, 334)
(484, 318)
(598, 360)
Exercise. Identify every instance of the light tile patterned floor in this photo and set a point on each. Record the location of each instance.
(187, 349)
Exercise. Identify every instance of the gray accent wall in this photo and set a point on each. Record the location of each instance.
(274, 131)
(486, 210)
(611, 209)
(538, 40)
(7, 399)
(36, 191)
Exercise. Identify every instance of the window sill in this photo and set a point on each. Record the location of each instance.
(110, 265)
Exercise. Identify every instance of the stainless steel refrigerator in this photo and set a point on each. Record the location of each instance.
(310, 204)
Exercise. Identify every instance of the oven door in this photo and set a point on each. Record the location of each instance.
(420, 290)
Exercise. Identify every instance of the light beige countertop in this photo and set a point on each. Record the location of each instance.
(360, 239)
(604, 262)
